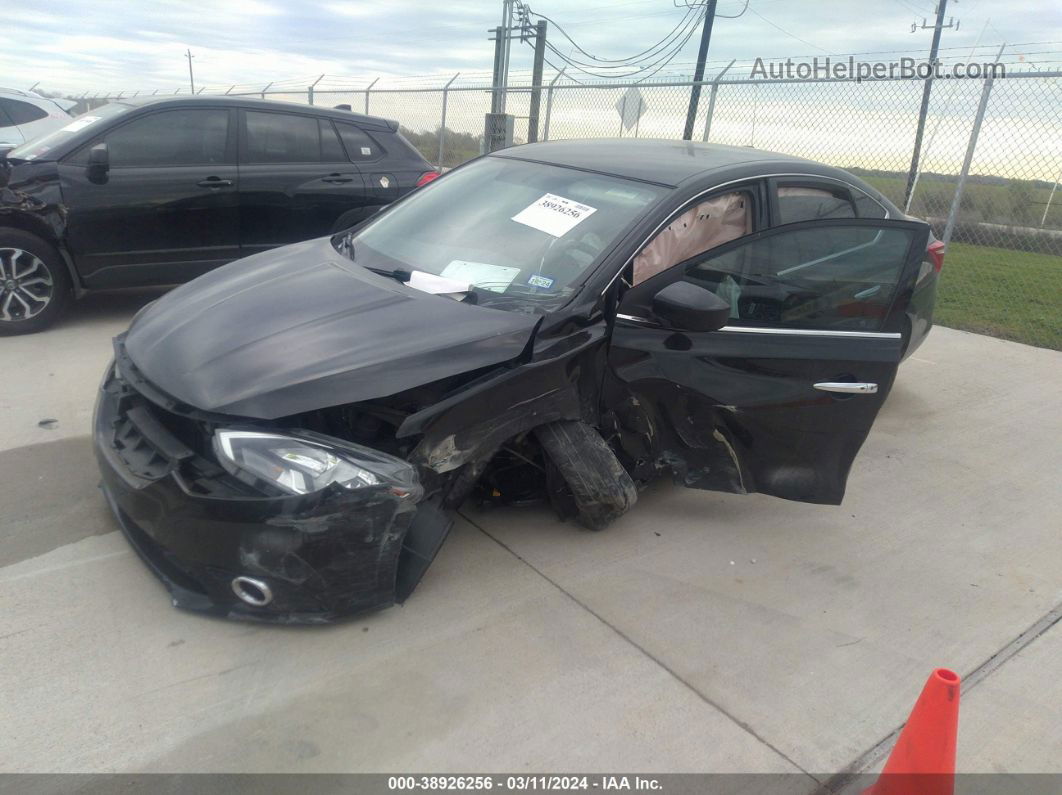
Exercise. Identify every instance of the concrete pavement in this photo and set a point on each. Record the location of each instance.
(702, 632)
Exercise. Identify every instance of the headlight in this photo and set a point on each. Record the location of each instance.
(309, 462)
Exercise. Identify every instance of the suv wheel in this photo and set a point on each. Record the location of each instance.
(34, 285)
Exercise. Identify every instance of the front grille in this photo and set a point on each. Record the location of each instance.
(154, 442)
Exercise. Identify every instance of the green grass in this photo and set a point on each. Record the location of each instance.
(1018, 202)
(1015, 295)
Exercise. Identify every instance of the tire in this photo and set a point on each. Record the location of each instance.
(597, 486)
(34, 283)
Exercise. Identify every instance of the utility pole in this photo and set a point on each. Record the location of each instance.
(507, 24)
(191, 77)
(698, 75)
(536, 81)
(934, 46)
(499, 57)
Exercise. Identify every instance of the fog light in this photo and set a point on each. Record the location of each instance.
(251, 591)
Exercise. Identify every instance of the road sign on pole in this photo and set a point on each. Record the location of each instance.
(630, 107)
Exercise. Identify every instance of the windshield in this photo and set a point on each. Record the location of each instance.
(518, 235)
(41, 145)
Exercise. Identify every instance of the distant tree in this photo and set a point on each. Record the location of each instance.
(1022, 197)
(457, 146)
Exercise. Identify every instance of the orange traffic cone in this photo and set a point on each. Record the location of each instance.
(923, 760)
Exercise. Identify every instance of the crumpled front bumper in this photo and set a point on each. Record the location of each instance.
(324, 555)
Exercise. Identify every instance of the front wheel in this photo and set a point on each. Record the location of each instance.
(34, 284)
(583, 475)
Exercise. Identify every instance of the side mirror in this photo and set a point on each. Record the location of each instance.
(99, 162)
(687, 307)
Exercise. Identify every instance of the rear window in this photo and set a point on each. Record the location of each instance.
(22, 112)
(798, 203)
(282, 138)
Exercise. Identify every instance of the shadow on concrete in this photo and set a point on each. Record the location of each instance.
(51, 498)
(109, 306)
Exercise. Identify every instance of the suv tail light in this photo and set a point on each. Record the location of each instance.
(935, 252)
(428, 176)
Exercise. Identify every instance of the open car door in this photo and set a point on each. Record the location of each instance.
(780, 399)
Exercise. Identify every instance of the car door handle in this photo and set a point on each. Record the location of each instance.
(337, 178)
(847, 387)
(214, 182)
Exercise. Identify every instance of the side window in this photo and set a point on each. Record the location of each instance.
(331, 148)
(359, 144)
(704, 226)
(867, 206)
(798, 203)
(168, 138)
(5, 120)
(824, 277)
(22, 112)
(282, 138)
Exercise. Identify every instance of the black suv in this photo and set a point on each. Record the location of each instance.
(158, 192)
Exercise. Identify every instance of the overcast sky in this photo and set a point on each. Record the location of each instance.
(78, 45)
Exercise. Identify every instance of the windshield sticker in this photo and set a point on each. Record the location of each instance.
(540, 281)
(80, 123)
(495, 278)
(554, 215)
(366, 151)
(436, 285)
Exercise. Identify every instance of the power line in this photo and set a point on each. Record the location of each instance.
(647, 63)
(652, 68)
(633, 58)
(737, 15)
(654, 57)
(673, 36)
(786, 32)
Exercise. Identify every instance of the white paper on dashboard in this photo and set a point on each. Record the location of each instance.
(495, 278)
(80, 123)
(430, 283)
(554, 215)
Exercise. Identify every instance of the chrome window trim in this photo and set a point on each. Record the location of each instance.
(799, 332)
(814, 332)
(714, 188)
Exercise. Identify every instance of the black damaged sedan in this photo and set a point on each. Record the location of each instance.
(287, 437)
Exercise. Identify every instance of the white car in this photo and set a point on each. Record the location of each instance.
(25, 115)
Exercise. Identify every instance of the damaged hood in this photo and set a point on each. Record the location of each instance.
(302, 328)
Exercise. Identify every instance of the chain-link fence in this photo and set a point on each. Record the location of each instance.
(990, 162)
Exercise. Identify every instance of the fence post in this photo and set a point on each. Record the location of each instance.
(442, 123)
(549, 104)
(368, 88)
(953, 213)
(755, 107)
(1050, 196)
(309, 89)
(711, 100)
(264, 90)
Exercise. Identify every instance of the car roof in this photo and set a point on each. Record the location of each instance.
(18, 92)
(253, 103)
(667, 162)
